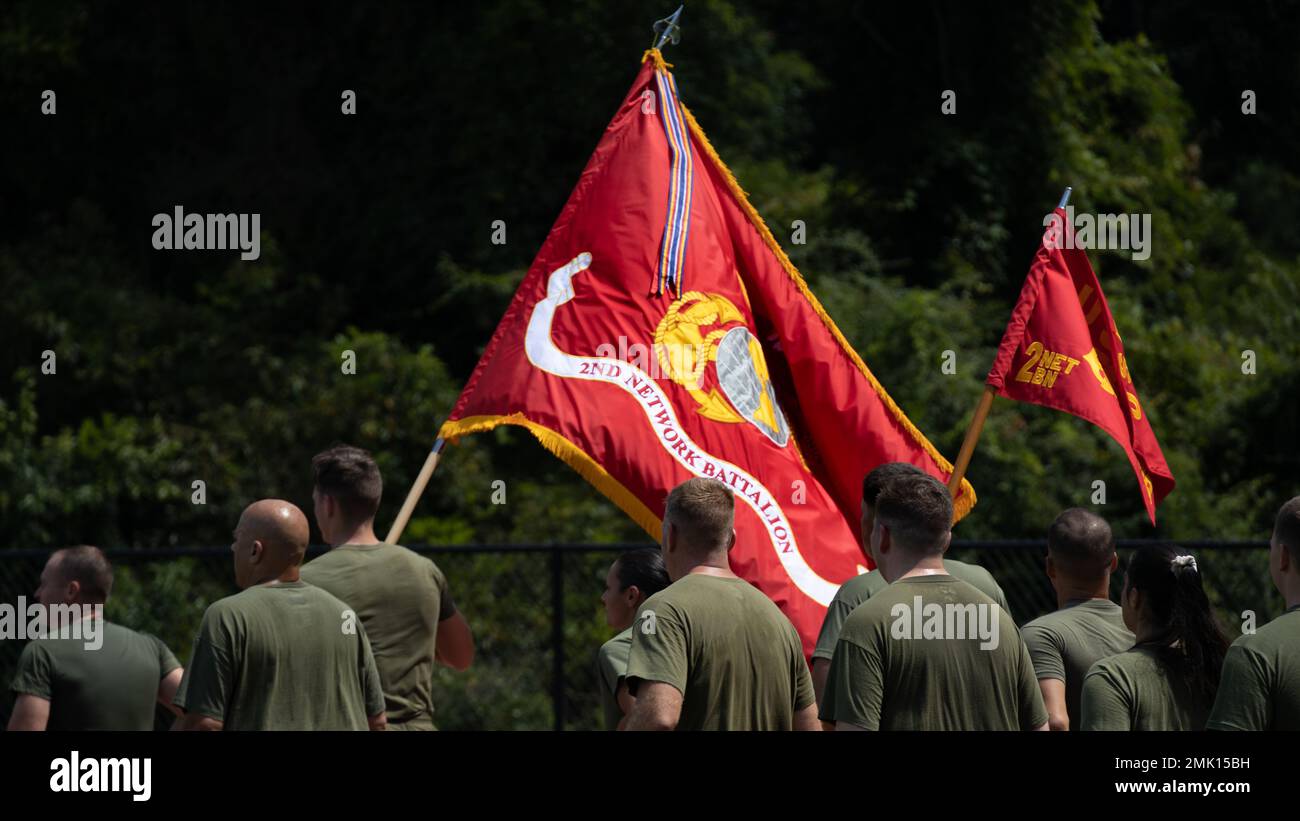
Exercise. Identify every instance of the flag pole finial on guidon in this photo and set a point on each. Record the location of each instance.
(667, 29)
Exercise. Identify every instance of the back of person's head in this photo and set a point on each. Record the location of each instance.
(917, 511)
(270, 538)
(1189, 637)
(882, 475)
(89, 568)
(704, 513)
(1081, 545)
(643, 569)
(350, 476)
(1286, 530)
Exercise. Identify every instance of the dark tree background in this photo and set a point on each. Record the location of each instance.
(174, 367)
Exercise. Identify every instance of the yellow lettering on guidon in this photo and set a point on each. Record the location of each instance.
(1042, 367)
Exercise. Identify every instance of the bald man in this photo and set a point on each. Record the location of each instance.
(281, 655)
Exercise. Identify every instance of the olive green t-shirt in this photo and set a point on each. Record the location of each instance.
(1135, 691)
(918, 656)
(1065, 644)
(282, 657)
(1260, 685)
(400, 596)
(733, 655)
(862, 587)
(611, 662)
(111, 687)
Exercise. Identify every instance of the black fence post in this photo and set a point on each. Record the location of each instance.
(557, 636)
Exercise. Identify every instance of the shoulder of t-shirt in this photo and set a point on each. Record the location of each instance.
(35, 648)
(966, 588)
(415, 559)
(872, 612)
(972, 571)
(1265, 640)
(1044, 627)
(1048, 623)
(671, 594)
(858, 589)
(229, 604)
(325, 597)
(623, 638)
(676, 598)
(1124, 661)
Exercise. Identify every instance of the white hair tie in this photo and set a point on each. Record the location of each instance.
(1181, 562)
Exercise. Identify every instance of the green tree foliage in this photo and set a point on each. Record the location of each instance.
(177, 367)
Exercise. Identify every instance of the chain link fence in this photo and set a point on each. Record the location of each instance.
(537, 619)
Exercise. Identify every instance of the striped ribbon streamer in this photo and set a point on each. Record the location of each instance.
(672, 251)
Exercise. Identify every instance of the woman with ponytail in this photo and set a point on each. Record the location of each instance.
(633, 577)
(1169, 679)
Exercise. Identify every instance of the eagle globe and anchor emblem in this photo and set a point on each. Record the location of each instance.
(701, 328)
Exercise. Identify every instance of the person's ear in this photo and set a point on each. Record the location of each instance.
(670, 538)
(73, 591)
(256, 551)
(947, 541)
(1114, 562)
(633, 595)
(1049, 567)
(732, 542)
(1284, 558)
(885, 543)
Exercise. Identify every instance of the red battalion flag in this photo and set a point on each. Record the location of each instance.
(1062, 350)
(661, 333)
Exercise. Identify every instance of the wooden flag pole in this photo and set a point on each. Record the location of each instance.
(417, 489)
(972, 436)
(981, 413)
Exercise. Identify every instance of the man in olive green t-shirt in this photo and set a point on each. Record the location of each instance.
(930, 652)
(98, 676)
(401, 597)
(711, 652)
(862, 587)
(1088, 627)
(281, 655)
(1260, 685)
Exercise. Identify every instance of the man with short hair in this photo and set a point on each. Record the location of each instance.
(281, 655)
(402, 598)
(113, 684)
(711, 652)
(1088, 626)
(1259, 688)
(862, 587)
(929, 652)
